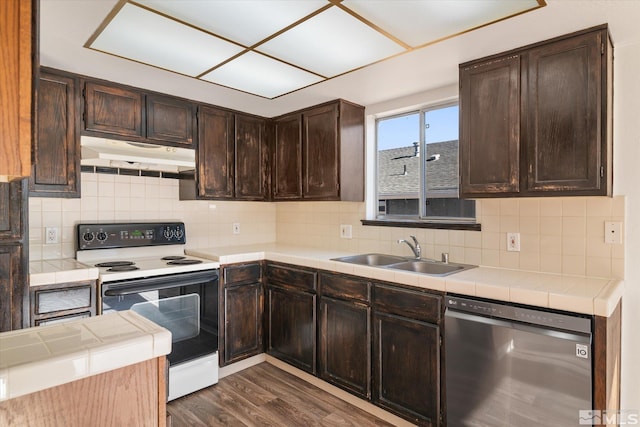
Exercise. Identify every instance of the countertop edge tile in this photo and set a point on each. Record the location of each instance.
(52, 272)
(82, 361)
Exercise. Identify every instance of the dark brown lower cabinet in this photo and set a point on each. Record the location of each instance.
(407, 353)
(14, 246)
(345, 345)
(241, 312)
(243, 308)
(291, 319)
(11, 287)
(407, 368)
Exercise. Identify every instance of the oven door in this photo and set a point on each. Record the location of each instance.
(186, 304)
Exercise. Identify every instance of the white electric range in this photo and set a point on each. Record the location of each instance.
(143, 268)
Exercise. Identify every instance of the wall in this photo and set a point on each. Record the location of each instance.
(208, 223)
(627, 177)
(557, 235)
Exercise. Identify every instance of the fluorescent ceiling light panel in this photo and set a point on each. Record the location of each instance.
(261, 75)
(417, 22)
(193, 37)
(135, 33)
(331, 43)
(246, 21)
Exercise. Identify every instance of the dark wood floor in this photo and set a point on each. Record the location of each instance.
(264, 395)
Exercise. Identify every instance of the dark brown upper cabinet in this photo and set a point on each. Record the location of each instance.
(566, 107)
(287, 163)
(215, 154)
(251, 158)
(170, 120)
(328, 144)
(490, 127)
(121, 112)
(232, 156)
(536, 121)
(113, 110)
(55, 170)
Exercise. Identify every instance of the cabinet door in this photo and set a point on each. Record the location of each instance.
(56, 147)
(564, 110)
(243, 308)
(407, 368)
(250, 158)
(11, 287)
(215, 153)
(170, 120)
(490, 127)
(321, 161)
(291, 320)
(11, 210)
(345, 345)
(113, 110)
(287, 164)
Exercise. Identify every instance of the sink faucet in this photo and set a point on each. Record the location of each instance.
(415, 246)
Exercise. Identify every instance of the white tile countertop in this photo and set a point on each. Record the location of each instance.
(54, 271)
(586, 295)
(37, 358)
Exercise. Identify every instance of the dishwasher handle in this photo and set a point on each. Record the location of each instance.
(539, 330)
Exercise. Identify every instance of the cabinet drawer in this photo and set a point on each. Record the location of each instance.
(407, 303)
(62, 319)
(285, 275)
(241, 273)
(48, 301)
(344, 287)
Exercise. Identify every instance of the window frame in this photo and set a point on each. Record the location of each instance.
(421, 218)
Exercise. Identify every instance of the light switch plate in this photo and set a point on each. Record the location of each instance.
(513, 242)
(345, 231)
(236, 228)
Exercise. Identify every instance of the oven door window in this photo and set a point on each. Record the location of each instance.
(179, 314)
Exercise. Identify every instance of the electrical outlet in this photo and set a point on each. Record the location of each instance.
(513, 242)
(613, 232)
(345, 231)
(51, 235)
(236, 228)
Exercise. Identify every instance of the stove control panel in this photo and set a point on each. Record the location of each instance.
(123, 235)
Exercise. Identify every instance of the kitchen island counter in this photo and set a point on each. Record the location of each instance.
(38, 358)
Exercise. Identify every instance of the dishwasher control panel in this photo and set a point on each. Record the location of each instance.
(519, 314)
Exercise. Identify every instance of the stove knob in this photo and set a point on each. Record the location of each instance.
(168, 233)
(87, 237)
(102, 236)
(179, 233)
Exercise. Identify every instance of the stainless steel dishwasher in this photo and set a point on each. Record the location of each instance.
(512, 366)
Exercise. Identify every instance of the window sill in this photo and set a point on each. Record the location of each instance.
(422, 224)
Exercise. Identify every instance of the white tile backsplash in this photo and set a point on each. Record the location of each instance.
(124, 198)
(557, 235)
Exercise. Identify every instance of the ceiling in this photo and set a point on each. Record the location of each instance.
(304, 42)
(66, 25)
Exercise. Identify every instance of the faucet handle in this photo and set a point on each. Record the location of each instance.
(445, 257)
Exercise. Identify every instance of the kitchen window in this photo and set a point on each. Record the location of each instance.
(417, 167)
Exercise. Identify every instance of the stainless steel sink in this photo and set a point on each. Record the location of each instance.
(376, 260)
(432, 268)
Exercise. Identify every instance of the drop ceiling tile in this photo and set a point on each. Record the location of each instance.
(418, 22)
(331, 43)
(143, 36)
(261, 75)
(246, 22)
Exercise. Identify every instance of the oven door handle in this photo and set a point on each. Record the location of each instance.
(154, 284)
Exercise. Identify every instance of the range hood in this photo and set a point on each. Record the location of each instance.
(135, 155)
